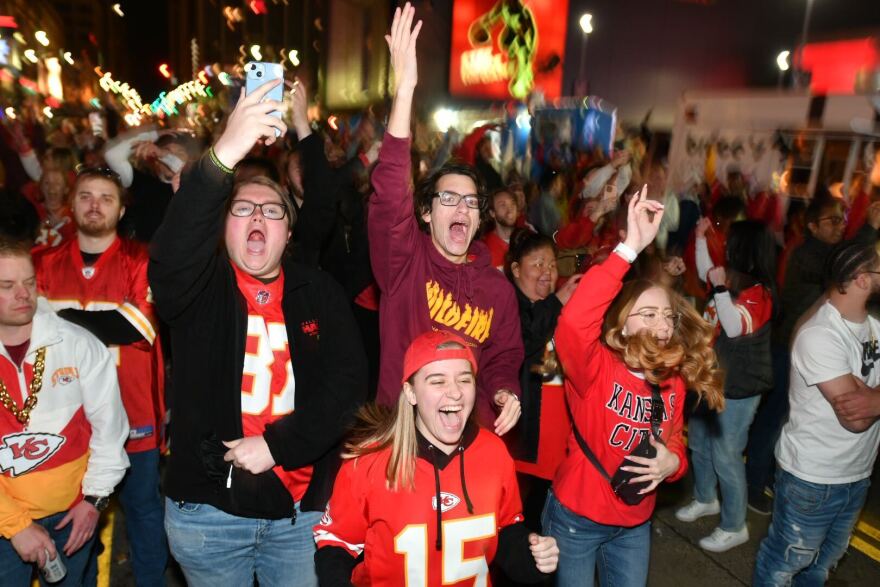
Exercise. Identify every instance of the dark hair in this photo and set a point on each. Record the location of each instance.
(101, 172)
(190, 144)
(846, 261)
(818, 206)
(751, 255)
(728, 208)
(425, 189)
(524, 242)
(256, 166)
(11, 246)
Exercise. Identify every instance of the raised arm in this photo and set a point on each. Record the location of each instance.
(118, 151)
(392, 226)
(580, 324)
(184, 249)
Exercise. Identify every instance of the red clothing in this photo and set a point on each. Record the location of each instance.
(610, 404)
(576, 234)
(497, 249)
(52, 235)
(553, 434)
(397, 530)
(117, 281)
(857, 215)
(268, 388)
(755, 306)
(423, 291)
(716, 242)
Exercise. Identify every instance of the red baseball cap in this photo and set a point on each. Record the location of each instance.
(423, 350)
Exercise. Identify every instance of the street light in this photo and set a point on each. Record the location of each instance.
(586, 22)
(68, 57)
(41, 38)
(783, 65)
(255, 52)
(31, 55)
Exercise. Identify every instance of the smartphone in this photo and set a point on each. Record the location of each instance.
(257, 74)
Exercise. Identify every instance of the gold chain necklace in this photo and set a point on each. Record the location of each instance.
(23, 415)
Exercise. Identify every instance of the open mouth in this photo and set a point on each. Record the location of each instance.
(458, 231)
(451, 417)
(256, 242)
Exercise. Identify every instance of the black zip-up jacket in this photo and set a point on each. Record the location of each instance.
(196, 293)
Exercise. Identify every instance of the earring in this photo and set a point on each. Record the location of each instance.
(623, 330)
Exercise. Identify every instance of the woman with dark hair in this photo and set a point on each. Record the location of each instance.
(629, 353)
(741, 306)
(538, 442)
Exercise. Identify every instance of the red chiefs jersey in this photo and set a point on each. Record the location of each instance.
(268, 388)
(397, 530)
(755, 306)
(497, 249)
(117, 281)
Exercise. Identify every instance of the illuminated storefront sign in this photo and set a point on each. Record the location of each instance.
(507, 48)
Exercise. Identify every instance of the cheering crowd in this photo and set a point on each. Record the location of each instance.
(360, 367)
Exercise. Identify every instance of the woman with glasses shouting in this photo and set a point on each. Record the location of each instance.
(741, 307)
(629, 352)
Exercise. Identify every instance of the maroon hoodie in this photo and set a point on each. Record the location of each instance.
(422, 290)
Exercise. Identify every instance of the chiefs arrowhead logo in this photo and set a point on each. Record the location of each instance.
(447, 501)
(88, 272)
(20, 453)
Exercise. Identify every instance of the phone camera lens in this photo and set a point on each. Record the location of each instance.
(259, 74)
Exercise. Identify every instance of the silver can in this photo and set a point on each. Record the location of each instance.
(54, 570)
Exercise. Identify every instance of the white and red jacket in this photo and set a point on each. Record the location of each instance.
(611, 405)
(73, 444)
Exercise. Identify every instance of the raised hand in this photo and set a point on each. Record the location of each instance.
(703, 227)
(402, 45)
(642, 220)
(249, 122)
(299, 108)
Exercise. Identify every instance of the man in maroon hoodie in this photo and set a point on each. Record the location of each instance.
(431, 272)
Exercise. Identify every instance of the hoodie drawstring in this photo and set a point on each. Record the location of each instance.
(467, 498)
(437, 502)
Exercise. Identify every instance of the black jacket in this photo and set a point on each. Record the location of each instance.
(196, 293)
(538, 322)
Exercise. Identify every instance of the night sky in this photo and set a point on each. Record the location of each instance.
(764, 27)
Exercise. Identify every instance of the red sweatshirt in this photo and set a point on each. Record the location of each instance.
(610, 404)
(423, 291)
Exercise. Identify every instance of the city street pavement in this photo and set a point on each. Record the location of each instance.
(676, 559)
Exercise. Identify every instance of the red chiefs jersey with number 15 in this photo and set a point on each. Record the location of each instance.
(117, 281)
(397, 530)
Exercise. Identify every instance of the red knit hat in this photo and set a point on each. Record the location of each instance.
(423, 350)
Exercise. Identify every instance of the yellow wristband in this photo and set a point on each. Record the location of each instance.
(217, 161)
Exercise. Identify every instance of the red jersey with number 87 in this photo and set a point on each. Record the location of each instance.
(397, 530)
(268, 388)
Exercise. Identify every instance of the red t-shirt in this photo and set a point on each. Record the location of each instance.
(397, 530)
(268, 388)
(497, 249)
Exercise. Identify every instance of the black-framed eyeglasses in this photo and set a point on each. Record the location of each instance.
(270, 210)
(475, 201)
(835, 220)
(651, 318)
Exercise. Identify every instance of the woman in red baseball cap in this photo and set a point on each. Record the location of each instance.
(425, 494)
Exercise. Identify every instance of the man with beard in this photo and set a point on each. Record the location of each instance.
(828, 446)
(504, 211)
(99, 281)
(431, 274)
(62, 430)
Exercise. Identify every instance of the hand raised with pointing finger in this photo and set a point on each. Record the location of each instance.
(642, 220)
(249, 122)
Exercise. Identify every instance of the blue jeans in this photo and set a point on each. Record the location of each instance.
(14, 572)
(144, 518)
(772, 413)
(809, 532)
(622, 553)
(216, 549)
(717, 442)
